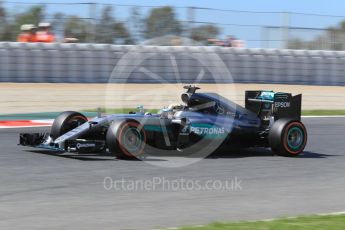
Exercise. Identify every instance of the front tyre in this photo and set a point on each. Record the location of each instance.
(126, 139)
(288, 137)
(65, 122)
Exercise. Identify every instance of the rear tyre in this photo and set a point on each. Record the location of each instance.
(65, 122)
(126, 139)
(287, 137)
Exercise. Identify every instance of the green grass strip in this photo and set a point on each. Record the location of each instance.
(323, 112)
(316, 222)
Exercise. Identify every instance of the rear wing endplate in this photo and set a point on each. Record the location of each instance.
(278, 105)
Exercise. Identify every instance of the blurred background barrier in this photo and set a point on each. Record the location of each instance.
(95, 63)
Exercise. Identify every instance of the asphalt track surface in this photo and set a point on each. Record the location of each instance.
(39, 190)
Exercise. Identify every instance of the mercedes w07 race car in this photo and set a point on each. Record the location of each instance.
(269, 119)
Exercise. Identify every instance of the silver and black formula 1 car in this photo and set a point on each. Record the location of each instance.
(269, 119)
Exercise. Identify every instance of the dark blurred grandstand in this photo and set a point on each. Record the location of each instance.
(133, 24)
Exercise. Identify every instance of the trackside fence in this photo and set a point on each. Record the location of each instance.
(102, 63)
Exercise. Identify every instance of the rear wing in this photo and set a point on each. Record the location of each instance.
(279, 105)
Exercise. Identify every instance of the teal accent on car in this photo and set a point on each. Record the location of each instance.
(266, 95)
(153, 128)
(296, 143)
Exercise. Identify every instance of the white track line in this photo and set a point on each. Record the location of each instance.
(331, 214)
(48, 121)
